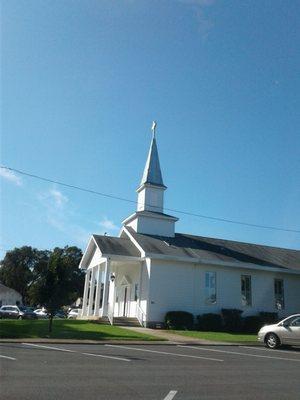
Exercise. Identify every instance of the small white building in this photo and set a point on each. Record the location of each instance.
(9, 296)
(149, 269)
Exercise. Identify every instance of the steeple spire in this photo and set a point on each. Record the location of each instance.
(151, 189)
(153, 128)
(152, 172)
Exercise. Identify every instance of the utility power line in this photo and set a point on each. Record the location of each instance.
(274, 228)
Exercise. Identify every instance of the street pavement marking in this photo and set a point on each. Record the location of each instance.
(240, 354)
(164, 352)
(9, 358)
(170, 395)
(49, 347)
(265, 349)
(73, 351)
(100, 355)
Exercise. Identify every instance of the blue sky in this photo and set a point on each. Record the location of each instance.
(82, 81)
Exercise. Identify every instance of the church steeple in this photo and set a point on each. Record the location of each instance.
(152, 172)
(151, 189)
(150, 218)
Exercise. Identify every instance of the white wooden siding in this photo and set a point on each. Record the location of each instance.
(179, 286)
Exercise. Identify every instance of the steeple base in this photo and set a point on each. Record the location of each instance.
(152, 223)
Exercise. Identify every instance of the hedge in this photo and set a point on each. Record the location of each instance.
(232, 319)
(179, 320)
(268, 318)
(252, 324)
(209, 322)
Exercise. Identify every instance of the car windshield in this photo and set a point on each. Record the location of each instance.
(23, 308)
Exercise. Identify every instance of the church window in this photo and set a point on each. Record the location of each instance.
(246, 290)
(210, 288)
(279, 294)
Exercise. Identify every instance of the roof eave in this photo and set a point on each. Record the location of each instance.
(150, 184)
(118, 257)
(151, 214)
(87, 251)
(204, 261)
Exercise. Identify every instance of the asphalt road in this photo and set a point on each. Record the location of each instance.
(158, 372)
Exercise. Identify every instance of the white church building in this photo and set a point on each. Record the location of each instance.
(150, 269)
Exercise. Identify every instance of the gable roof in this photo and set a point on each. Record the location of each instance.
(216, 250)
(197, 248)
(116, 246)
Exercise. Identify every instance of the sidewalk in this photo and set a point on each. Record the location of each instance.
(175, 339)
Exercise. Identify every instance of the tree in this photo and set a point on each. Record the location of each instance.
(18, 266)
(48, 278)
(60, 282)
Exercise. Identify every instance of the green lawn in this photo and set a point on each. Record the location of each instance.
(66, 329)
(219, 336)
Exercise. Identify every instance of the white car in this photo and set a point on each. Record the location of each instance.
(285, 332)
(73, 314)
(41, 313)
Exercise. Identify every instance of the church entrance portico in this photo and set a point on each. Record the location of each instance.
(96, 287)
(111, 290)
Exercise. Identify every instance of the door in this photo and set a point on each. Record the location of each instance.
(123, 301)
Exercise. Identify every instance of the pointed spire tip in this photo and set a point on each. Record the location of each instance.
(153, 129)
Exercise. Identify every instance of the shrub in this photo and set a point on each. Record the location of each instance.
(268, 318)
(232, 319)
(209, 322)
(252, 324)
(179, 320)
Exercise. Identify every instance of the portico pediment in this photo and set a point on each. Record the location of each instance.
(125, 281)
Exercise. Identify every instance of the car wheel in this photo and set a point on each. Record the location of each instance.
(20, 317)
(272, 341)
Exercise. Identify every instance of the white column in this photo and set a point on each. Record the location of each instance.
(111, 298)
(98, 291)
(140, 284)
(92, 289)
(106, 288)
(85, 292)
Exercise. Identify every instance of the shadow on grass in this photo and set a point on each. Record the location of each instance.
(66, 329)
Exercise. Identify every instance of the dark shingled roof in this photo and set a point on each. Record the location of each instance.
(210, 249)
(116, 246)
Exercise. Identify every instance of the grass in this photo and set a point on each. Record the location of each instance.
(219, 336)
(66, 329)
